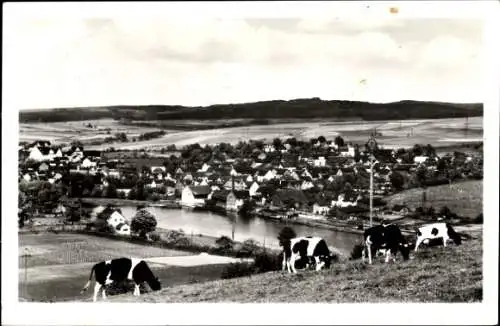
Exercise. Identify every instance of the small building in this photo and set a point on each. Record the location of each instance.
(194, 195)
(235, 200)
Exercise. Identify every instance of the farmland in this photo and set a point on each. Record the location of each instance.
(58, 265)
(405, 133)
(463, 198)
(436, 274)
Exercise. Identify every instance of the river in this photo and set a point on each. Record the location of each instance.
(259, 229)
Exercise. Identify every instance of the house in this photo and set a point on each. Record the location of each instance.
(204, 168)
(269, 148)
(43, 168)
(116, 218)
(87, 164)
(124, 191)
(38, 154)
(235, 200)
(400, 209)
(321, 207)
(218, 199)
(194, 195)
(343, 201)
(158, 169)
(288, 197)
(320, 161)
(253, 190)
(420, 159)
(306, 184)
(122, 229)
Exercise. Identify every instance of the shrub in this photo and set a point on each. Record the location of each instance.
(356, 251)
(249, 248)
(154, 236)
(224, 242)
(238, 270)
(479, 218)
(266, 262)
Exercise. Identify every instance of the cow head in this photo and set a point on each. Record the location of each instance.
(155, 284)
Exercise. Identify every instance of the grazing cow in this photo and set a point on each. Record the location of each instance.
(386, 238)
(121, 269)
(436, 231)
(306, 248)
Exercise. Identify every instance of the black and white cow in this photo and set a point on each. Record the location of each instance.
(436, 231)
(121, 269)
(306, 248)
(385, 237)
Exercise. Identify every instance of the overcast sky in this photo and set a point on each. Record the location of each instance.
(87, 62)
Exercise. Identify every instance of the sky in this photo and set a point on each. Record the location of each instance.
(203, 60)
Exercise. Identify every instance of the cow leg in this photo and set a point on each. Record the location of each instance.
(284, 263)
(137, 291)
(417, 243)
(445, 239)
(387, 255)
(369, 254)
(97, 287)
(104, 292)
(293, 258)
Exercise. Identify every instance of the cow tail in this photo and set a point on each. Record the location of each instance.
(89, 281)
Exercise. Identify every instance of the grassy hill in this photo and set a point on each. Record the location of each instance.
(452, 274)
(279, 109)
(463, 198)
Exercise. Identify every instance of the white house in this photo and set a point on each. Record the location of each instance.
(306, 185)
(36, 154)
(204, 168)
(87, 163)
(194, 196)
(349, 152)
(420, 159)
(320, 208)
(253, 189)
(115, 219)
(320, 161)
(341, 203)
(269, 175)
(269, 148)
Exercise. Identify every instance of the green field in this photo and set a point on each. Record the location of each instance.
(434, 274)
(395, 133)
(58, 265)
(463, 198)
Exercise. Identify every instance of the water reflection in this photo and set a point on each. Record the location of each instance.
(261, 230)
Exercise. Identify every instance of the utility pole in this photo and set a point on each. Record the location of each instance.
(371, 147)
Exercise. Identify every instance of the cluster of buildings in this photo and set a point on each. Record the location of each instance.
(274, 178)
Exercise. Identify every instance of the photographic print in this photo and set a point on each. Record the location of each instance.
(189, 156)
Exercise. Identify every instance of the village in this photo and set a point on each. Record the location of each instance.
(315, 179)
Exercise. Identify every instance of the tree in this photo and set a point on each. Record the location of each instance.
(143, 222)
(339, 141)
(322, 139)
(277, 143)
(286, 234)
(397, 180)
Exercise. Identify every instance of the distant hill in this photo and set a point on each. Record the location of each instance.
(298, 108)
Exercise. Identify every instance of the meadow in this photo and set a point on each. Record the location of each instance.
(463, 198)
(433, 274)
(58, 265)
(394, 133)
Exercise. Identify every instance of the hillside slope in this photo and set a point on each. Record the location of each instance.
(452, 274)
(463, 198)
(299, 108)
